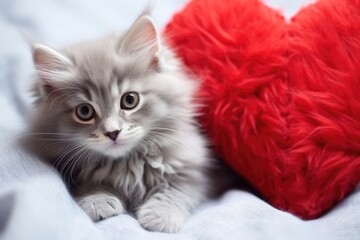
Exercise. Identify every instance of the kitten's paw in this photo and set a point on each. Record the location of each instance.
(160, 217)
(100, 206)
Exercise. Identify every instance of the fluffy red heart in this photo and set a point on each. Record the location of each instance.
(282, 99)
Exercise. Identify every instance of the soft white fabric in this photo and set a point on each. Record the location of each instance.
(34, 203)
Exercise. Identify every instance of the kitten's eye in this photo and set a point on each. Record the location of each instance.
(129, 100)
(85, 112)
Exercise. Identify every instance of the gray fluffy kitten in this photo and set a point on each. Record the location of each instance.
(115, 116)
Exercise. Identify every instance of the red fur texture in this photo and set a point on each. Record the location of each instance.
(282, 99)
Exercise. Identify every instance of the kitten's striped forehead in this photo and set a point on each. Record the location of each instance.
(103, 75)
(103, 93)
(106, 90)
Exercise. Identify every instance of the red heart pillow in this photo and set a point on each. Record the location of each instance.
(282, 99)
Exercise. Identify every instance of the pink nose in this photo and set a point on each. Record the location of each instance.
(112, 135)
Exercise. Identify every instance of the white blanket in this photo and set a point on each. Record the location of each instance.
(34, 203)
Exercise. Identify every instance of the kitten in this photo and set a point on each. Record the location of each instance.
(115, 116)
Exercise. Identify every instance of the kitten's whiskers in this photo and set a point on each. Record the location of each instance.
(74, 160)
(61, 157)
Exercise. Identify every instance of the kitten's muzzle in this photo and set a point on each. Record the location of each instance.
(112, 135)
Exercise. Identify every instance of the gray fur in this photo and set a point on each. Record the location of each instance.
(158, 171)
(7, 203)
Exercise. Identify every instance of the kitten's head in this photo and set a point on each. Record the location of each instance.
(113, 94)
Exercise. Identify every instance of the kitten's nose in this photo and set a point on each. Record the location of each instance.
(112, 135)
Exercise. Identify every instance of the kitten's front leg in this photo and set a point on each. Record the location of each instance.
(101, 205)
(167, 210)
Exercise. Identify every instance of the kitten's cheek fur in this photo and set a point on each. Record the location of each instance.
(101, 206)
(158, 216)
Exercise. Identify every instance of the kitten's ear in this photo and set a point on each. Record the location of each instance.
(142, 39)
(52, 67)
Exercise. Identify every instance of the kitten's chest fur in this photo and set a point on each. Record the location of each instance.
(133, 178)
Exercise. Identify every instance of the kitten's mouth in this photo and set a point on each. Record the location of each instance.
(114, 144)
(116, 149)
